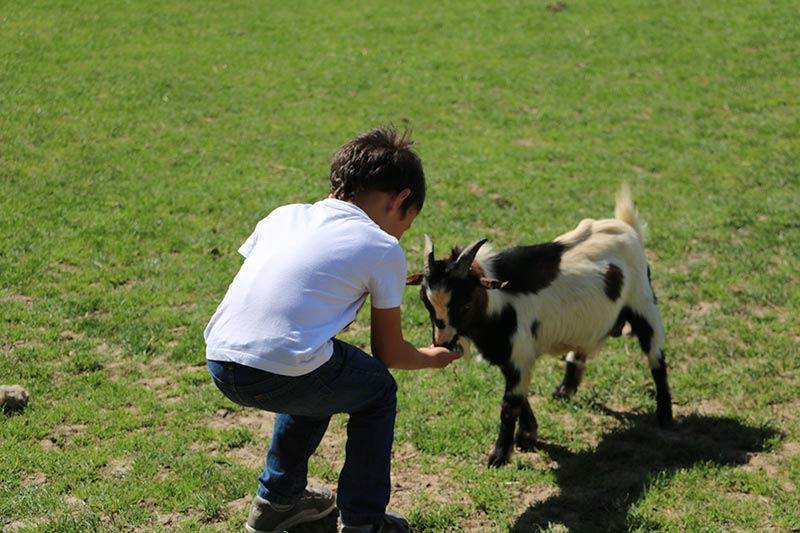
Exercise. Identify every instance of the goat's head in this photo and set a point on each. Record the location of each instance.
(454, 291)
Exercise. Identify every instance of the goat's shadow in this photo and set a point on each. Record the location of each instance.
(597, 487)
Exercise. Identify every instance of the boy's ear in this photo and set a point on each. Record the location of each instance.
(400, 197)
(415, 279)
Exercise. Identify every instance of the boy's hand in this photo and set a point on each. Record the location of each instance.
(440, 357)
(389, 346)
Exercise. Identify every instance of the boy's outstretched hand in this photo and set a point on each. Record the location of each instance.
(389, 346)
(440, 357)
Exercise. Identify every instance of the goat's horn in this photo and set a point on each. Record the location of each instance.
(429, 260)
(464, 261)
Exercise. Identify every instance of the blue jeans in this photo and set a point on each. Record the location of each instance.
(351, 382)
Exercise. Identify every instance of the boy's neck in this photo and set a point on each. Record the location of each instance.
(385, 209)
(375, 204)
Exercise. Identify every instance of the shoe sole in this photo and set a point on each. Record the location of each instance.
(300, 518)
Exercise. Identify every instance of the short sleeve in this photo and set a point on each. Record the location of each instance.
(261, 230)
(248, 245)
(388, 281)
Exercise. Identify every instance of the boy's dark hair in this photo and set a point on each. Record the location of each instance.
(380, 159)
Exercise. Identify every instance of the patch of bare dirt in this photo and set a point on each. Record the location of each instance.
(412, 483)
(774, 464)
(61, 436)
(115, 352)
(118, 468)
(16, 298)
(35, 479)
(789, 411)
(257, 421)
(703, 308)
(20, 525)
(708, 407)
(164, 521)
(239, 506)
(69, 335)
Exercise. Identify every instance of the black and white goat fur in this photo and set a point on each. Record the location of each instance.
(564, 296)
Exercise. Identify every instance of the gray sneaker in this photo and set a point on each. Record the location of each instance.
(392, 523)
(314, 504)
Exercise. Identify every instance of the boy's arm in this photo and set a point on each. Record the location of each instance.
(389, 346)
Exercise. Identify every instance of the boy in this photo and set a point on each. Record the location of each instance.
(271, 344)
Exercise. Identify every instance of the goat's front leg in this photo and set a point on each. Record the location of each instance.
(576, 365)
(514, 406)
(510, 410)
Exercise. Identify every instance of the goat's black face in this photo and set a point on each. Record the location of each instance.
(450, 292)
(449, 301)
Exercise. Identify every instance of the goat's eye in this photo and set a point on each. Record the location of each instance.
(439, 323)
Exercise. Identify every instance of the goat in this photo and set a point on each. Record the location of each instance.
(564, 296)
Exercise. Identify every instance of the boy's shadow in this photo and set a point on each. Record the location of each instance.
(597, 487)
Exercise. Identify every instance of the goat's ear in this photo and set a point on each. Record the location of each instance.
(489, 283)
(415, 279)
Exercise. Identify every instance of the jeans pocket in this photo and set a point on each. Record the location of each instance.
(306, 395)
(270, 388)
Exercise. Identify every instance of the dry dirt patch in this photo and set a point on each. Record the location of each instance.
(774, 464)
(410, 480)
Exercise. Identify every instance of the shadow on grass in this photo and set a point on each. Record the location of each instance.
(598, 487)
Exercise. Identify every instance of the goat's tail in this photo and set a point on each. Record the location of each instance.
(627, 212)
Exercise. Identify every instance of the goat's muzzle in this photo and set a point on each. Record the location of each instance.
(453, 344)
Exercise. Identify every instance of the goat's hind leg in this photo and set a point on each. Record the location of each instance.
(647, 326)
(527, 432)
(528, 429)
(663, 395)
(576, 365)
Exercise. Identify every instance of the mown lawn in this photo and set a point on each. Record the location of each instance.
(140, 142)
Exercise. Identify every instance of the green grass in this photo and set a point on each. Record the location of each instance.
(140, 142)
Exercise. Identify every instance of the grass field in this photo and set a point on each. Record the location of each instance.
(141, 141)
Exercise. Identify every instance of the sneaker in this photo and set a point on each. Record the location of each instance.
(392, 523)
(314, 504)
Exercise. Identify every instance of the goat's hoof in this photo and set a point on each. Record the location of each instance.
(665, 420)
(563, 392)
(664, 412)
(526, 441)
(498, 458)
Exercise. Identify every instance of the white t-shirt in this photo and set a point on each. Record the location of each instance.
(307, 271)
